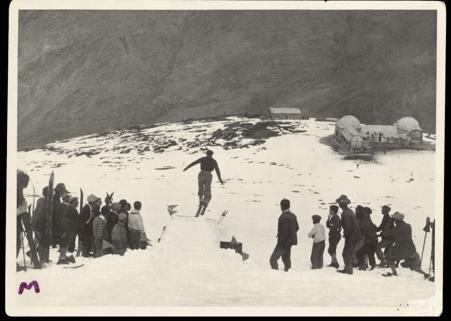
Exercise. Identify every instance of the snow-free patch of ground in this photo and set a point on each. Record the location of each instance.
(187, 268)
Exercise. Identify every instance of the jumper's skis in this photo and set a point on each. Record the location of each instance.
(201, 209)
(48, 225)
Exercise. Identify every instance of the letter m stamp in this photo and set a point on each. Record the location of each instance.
(33, 284)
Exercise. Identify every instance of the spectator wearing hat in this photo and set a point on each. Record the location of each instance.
(65, 229)
(100, 233)
(119, 235)
(287, 228)
(368, 230)
(86, 219)
(387, 238)
(333, 223)
(58, 209)
(318, 234)
(403, 247)
(351, 232)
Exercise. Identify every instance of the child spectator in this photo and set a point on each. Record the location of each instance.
(318, 234)
(119, 235)
(136, 227)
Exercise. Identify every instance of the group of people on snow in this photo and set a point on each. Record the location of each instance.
(111, 228)
(361, 239)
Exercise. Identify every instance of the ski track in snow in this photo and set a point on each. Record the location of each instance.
(187, 268)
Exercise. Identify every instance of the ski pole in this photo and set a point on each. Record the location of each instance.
(23, 249)
(422, 251)
(426, 229)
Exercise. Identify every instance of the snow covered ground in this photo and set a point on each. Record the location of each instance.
(187, 268)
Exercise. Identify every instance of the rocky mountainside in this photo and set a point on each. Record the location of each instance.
(84, 72)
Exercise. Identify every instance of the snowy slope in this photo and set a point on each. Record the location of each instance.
(187, 268)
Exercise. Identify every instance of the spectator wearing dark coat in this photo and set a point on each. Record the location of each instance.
(86, 219)
(387, 229)
(39, 221)
(369, 233)
(351, 233)
(119, 235)
(403, 247)
(333, 223)
(100, 234)
(66, 227)
(287, 228)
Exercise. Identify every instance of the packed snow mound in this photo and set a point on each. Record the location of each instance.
(187, 267)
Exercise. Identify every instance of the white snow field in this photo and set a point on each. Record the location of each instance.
(187, 268)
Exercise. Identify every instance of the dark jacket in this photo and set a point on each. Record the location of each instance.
(334, 225)
(368, 229)
(287, 228)
(403, 247)
(39, 218)
(111, 220)
(86, 218)
(57, 216)
(351, 229)
(388, 233)
(68, 222)
(385, 221)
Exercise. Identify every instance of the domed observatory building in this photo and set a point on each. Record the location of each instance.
(348, 134)
(409, 129)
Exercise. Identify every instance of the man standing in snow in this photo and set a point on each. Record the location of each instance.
(207, 165)
(351, 232)
(386, 228)
(86, 219)
(287, 228)
(318, 234)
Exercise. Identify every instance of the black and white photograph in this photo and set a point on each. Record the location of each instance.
(225, 158)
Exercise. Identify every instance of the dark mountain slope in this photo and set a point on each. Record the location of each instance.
(88, 71)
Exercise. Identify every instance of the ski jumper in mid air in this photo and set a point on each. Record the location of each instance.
(207, 165)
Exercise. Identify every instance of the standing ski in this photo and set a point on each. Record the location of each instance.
(162, 233)
(79, 241)
(48, 225)
(222, 216)
(28, 231)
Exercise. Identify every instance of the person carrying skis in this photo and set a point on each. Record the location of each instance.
(333, 223)
(351, 233)
(204, 178)
(403, 247)
(287, 228)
